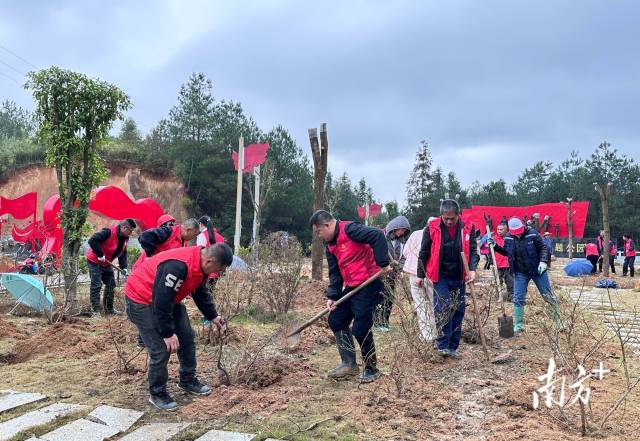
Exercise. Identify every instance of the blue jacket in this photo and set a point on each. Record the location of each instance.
(529, 250)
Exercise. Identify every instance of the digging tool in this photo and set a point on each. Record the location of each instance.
(505, 322)
(116, 268)
(290, 338)
(470, 285)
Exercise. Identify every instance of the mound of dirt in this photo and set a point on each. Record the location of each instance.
(311, 295)
(59, 340)
(8, 330)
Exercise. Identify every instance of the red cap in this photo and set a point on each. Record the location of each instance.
(164, 219)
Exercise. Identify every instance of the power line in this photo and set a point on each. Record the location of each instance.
(18, 56)
(11, 78)
(12, 68)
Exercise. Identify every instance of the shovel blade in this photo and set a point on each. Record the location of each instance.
(505, 326)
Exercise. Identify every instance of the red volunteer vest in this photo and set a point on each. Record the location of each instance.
(108, 247)
(591, 249)
(173, 241)
(501, 261)
(139, 285)
(432, 266)
(355, 259)
(627, 249)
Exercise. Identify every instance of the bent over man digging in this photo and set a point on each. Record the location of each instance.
(154, 294)
(354, 253)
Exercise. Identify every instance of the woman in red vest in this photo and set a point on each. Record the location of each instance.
(629, 256)
(592, 254)
(154, 295)
(502, 262)
(354, 253)
(104, 246)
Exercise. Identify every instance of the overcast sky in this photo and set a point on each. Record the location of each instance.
(493, 86)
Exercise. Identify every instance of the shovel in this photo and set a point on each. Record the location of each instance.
(289, 336)
(505, 322)
(475, 308)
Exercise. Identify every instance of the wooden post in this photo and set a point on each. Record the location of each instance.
(256, 207)
(570, 225)
(320, 152)
(236, 237)
(604, 202)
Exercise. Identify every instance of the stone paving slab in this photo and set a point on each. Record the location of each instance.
(156, 432)
(10, 399)
(116, 417)
(81, 430)
(219, 435)
(35, 418)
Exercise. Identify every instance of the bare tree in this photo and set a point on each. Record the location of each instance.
(320, 152)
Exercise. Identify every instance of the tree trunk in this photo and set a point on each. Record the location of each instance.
(570, 227)
(320, 152)
(604, 198)
(71, 249)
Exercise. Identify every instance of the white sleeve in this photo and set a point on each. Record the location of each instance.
(201, 240)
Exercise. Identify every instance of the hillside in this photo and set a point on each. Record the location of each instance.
(163, 187)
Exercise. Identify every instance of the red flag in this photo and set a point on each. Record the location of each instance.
(254, 155)
(21, 207)
(114, 203)
(374, 210)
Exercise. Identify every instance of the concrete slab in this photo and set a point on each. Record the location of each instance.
(220, 435)
(81, 430)
(116, 417)
(10, 399)
(11, 427)
(156, 432)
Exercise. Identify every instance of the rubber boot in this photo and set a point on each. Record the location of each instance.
(518, 319)
(346, 349)
(554, 312)
(370, 372)
(107, 301)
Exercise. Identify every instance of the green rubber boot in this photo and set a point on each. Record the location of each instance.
(518, 319)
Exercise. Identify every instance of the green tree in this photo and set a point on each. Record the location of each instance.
(530, 187)
(75, 114)
(15, 122)
(493, 193)
(129, 134)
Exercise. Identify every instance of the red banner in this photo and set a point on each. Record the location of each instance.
(114, 203)
(557, 213)
(21, 207)
(254, 155)
(374, 210)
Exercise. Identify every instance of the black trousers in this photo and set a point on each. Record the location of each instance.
(612, 264)
(507, 278)
(628, 266)
(101, 275)
(594, 262)
(157, 375)
(383, 310)
(357, 313)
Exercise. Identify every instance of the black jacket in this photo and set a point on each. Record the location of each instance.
(95, 242)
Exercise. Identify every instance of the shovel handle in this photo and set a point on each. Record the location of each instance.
(496, 276)
(115, 268)
(336, 304)
(475, 307)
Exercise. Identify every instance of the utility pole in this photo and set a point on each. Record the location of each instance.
(604, 193)
(256, 206)
(236, 237)
(570, 225)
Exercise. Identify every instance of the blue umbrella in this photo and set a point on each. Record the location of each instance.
(578, 267)
(27, 290)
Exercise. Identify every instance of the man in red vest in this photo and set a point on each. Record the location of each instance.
(154, 294)
(440, 261)
(104, 246)
(629, 256)
(502, 262)
(166, 237)
(354, 253)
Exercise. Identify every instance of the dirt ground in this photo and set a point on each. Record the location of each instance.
(284, 393)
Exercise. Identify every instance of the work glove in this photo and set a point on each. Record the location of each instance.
(491, 242)
(125, 272)
(102, 259)
(542, 267)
